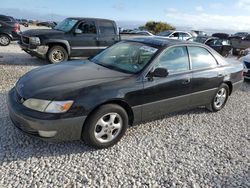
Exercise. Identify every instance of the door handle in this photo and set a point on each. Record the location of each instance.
(186, 81)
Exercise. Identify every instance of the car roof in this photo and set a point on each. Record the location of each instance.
(160, 41)
(82, 18)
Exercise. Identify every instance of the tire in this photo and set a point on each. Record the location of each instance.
(235, 52)
(219, 99)
(105, 126)
(57, 54)
(4, 40)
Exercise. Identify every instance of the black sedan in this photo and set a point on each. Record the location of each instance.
(221, 45)
(130, 82)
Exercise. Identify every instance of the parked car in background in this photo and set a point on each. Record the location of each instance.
(125, 31)
(239, 35)
(9, 30)
(73, 37)
(141, 32)
(180, 35)
(23, 22)
(246, 62)
(221, 45)
(196, 33)
(240, 43)
(130, 82)
(47, 24)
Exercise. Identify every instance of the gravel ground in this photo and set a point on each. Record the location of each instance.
(188, 149)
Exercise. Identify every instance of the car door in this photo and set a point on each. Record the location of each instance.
(84, 40)
(163, 95)
(108, 34)
(207, 75)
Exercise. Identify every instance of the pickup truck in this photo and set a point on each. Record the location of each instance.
(73, 37)
(240, 43)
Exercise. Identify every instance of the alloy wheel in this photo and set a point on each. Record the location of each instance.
(220, 98)
(108, 127)
(57, 55)
(4, 40)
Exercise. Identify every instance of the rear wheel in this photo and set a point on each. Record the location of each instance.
(106, 126)
(4, 40)
(57, 54)
(220, 98)
(235, 52)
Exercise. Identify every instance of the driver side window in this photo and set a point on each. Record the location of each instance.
(87, 27)
(175, 60)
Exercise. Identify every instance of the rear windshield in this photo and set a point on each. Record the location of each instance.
(165, 33)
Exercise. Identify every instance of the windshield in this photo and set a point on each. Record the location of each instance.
(66, 25)
(164, 33)
(128, 57)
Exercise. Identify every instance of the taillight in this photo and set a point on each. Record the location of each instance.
(16, 28)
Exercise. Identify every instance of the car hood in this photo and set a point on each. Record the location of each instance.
(69, 76)
(38, 32)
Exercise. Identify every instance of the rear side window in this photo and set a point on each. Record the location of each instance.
(174, 59)
(201, 58)
(106, 27)
(184, 35)
(87, 28)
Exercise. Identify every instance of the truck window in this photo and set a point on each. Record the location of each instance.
(247, 37)
(87, 27)
(106, 27)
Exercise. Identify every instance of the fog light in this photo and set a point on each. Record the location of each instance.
(47, 134)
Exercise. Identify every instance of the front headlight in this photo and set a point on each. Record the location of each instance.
(48, 106)
(34, 40)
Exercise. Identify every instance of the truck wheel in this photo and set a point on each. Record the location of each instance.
(235, 52)
(4, 40)
(57, 54)
(105, 126)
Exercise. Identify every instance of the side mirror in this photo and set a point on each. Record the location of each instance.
(160, 72)
(78, 31)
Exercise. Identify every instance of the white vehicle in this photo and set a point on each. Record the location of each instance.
(246, 63)
(180, 35)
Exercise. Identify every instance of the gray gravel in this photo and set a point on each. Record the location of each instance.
(188, 149)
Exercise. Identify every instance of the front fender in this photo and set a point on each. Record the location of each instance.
(58, 41)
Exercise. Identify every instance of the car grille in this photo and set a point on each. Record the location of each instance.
(247, 64)
(25, 40)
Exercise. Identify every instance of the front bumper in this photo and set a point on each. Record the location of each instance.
(38, 51)
(52, 130)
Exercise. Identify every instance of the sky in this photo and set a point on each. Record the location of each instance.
(197, 14)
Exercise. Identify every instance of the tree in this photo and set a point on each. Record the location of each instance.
(157, 27)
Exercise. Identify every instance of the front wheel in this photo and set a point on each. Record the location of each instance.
(57, 54)
(220, 98)
(106, 126)
(4, 40)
